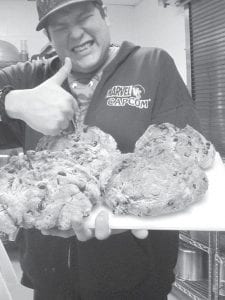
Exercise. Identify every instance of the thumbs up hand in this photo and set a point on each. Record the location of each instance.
(47, 108)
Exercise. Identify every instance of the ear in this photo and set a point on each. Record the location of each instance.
(46, 33)
(106, 16)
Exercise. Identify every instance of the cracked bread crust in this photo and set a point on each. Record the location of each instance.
(36, 192)
(186, 144)
(89, 146)
(48, 188)
(155, 187)
(85, 136)
(165, 173)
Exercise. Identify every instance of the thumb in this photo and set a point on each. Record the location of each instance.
(140, 234)
(63, 72)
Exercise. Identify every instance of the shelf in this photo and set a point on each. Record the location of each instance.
(200, 290)
(196, 290)
(220, 257)
(194, 243)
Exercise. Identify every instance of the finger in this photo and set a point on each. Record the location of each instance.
(69, 115)
(140, 234)
(102, 229)
(63, 72)
(64, 124)
(82, 233)
(71, 109)
(50, 131)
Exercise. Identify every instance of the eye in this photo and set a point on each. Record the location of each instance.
(85, 17)
(58, 28)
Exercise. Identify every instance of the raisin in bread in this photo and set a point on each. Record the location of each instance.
(154, 187)
(186, 143)
(60, 182)
(165, 173)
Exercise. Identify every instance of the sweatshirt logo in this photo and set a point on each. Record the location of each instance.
(131, 95)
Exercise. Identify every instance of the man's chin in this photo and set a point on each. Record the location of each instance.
(87, 69)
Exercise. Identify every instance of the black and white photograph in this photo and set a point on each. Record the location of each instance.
(112, 149)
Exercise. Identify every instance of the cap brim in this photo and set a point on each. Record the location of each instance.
(43, 20)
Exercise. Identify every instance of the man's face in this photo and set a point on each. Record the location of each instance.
(81, 33)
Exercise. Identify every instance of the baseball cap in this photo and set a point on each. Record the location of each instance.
(46, 8)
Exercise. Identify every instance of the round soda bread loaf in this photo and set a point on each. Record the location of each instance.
(61, 182)
(165, 173)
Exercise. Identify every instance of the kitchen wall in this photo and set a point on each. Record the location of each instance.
(147, 24)
(17, 22)
(162, 27)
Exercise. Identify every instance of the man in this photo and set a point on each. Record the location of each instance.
(95, 83)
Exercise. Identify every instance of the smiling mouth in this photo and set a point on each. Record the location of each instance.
(82, 47)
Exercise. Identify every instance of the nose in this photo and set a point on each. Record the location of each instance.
(76, 32)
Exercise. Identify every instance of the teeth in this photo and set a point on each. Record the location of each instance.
(82, 47)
